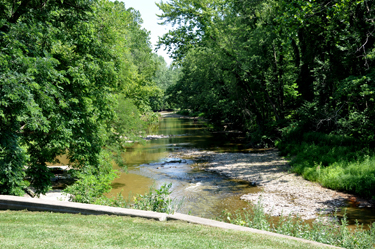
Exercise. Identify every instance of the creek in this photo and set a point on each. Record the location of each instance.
(203, 193)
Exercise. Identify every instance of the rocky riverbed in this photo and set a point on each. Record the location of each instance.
(281, 192)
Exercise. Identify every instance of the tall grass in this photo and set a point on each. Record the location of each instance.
(321, 230)
(336, 162)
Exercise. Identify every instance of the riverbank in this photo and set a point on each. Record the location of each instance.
(282, 192)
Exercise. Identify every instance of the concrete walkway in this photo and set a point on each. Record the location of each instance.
(8, 202)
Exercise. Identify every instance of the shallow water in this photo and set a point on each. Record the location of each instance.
(203, 193)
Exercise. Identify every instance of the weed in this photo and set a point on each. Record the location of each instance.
(157, 200)
(320, 230)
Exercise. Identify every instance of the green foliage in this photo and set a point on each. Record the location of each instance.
(184, 112)
(67, 68)
(126, 126)
(327, 232)
(53, 93)
(11, 175)
(117, 201)
(357, 96)
(92, 182)
(299, 74)
(262, 65)
(165, 77)
(156, 200)
(191, 113)
(336, 162)
(255, 217)
(90, 187)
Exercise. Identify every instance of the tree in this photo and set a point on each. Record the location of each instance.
(63, 65)
(164, 78)
(284, 61)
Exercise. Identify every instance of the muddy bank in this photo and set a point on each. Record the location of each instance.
(282, 192)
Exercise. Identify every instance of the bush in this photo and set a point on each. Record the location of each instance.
(157, 200)
(184, 112)
(92, 182)
(91, 187)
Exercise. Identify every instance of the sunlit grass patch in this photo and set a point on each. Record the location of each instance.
(20, 229)
(335, 162)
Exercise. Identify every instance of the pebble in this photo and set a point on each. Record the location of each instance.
(281, 192)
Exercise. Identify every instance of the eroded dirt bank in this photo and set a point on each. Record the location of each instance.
(282, 191)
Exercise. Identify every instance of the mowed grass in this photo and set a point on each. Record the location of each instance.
(23, 229)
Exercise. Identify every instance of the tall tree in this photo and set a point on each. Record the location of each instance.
(63, 65)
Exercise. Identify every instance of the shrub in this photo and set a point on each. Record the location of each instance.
(157, 200)
(92, 182)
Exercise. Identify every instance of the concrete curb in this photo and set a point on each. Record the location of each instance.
(8, 202)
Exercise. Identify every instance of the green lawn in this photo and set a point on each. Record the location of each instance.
(22, 229)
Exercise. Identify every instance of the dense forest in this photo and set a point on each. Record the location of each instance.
(260, 65)
(77, 77)
(293, 73)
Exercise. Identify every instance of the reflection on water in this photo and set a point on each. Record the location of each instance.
(204, 194)
(126, 182)
(362, 215)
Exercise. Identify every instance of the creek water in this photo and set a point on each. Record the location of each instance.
(202, 193)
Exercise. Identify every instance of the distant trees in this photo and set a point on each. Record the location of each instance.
(165, 77)
(68, 70)
(262, 65)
